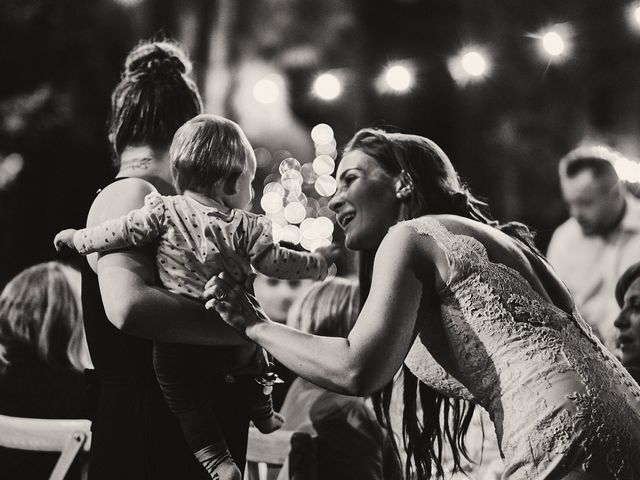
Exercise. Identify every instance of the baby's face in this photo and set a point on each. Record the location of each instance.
(244, 194)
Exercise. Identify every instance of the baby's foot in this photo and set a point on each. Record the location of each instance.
(269, 424)
(225, 470)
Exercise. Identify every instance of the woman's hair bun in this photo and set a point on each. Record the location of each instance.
(157, 59)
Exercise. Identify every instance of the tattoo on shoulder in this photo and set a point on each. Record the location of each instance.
(139, 163)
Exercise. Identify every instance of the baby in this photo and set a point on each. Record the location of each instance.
(201, 232)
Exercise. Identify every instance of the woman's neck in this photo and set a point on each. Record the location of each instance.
(150, 164)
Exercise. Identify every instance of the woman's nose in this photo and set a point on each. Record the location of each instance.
(336, 202)
(622, 321)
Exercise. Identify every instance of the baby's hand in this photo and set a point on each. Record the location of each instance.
(330, 253)
(65, 239)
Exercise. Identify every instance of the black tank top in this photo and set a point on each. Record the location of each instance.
(116, 356)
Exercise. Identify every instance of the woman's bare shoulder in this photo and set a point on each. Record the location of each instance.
(119, 198)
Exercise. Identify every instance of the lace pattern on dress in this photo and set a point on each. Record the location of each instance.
(558, 399)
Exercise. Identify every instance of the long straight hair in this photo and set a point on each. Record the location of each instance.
(435, 189)
(41, 318)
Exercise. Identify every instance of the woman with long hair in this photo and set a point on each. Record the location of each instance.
(473, 311)
(42, 355)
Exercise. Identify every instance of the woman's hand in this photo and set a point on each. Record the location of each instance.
(235, 305)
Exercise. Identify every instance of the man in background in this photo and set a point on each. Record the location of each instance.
(600, 239)
(628, 322)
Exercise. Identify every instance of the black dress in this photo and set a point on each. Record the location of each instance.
(135, 436)
(31, 388)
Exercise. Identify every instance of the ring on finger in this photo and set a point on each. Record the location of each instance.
(221, 295)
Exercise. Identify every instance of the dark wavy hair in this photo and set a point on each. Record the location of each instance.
(154, 97)
(435, 189)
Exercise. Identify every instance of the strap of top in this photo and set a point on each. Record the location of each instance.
(458, 249)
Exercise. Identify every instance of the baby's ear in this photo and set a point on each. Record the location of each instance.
(230, 186)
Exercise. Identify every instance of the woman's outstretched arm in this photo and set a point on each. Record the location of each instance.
(380, 339)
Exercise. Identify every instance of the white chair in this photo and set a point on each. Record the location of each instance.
(72, 438)
(280, 448)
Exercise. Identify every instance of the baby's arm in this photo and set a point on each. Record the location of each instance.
(281, 262)
(274, 260)
(138, 227)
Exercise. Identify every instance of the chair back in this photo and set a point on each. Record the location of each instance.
(282, 447)
(69, 437)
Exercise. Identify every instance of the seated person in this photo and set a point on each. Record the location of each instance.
(628, 321)
(42, 355)
(350, 442)
(276, 296)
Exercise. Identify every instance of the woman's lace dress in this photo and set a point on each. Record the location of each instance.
(558, 399)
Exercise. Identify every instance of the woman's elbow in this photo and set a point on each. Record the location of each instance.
(121, 313)
(359, 383)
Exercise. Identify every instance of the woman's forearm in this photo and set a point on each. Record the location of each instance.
(162, 316)
(325, 361)
(135, 305)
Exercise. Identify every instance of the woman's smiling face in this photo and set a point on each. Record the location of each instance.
(365, 203)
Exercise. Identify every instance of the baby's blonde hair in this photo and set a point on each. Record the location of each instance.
(206, 150)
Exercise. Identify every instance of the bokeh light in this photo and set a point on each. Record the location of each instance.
(627, 169)
(301, 198)
(320, 242)
(267, 90)
(322, 133)
(327, 86)
(308, 173)
(323, 165)
(306, 228)
(294, 212)
(271, 202)
(291, 180)
(633, 15)
(399, 78)
(326, 185)
(474, 63)
(470, 65)
(323, 227)
(274, 187)
(291, 234)
(326, 148)
(289, 163)
(553, 43)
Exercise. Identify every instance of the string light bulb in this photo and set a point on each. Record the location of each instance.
(327, 86)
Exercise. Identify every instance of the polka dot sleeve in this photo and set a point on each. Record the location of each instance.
(258, 231)
(136, 228)
(271, 259)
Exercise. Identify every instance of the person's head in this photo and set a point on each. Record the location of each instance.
(154, 97)
(328, 308)
(41, 317)
(277, 295)
(628, 322)
(386, 177)
(591, 188)
(211, 155)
